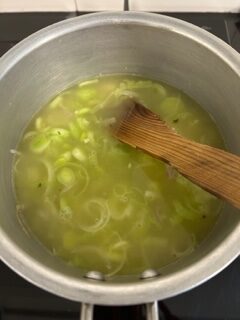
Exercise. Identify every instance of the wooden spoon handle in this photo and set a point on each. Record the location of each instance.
(213, 169)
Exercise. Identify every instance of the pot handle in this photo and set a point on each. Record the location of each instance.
(87, 311)
(152, 310)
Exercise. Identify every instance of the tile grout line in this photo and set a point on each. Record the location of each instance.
(76, 6)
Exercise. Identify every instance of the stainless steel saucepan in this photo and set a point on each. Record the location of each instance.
(158, 47)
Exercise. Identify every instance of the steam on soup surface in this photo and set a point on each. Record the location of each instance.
(99, 204)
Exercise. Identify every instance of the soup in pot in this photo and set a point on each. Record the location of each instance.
(102, 205)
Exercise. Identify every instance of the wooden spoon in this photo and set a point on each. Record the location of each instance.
(213, 169)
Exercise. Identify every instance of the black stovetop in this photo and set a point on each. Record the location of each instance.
(217, 299)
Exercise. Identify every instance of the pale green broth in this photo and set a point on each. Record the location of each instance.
(99, 204)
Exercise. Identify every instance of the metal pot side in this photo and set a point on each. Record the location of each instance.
(158, 47)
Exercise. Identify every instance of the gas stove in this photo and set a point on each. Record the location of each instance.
(217, 299)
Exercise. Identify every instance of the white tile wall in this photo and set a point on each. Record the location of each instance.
(99, 5)
(37, 5)
(186, 5)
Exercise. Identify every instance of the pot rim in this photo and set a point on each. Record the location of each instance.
(120, 293)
